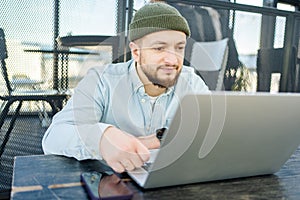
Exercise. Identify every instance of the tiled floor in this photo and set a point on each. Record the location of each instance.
(25, 139)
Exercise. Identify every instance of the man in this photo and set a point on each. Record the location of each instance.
(116, 110)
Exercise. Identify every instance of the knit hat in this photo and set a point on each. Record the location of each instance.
(155, 17)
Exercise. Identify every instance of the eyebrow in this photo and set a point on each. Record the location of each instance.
(164, 43)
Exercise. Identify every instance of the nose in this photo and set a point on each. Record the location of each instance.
(170, 58)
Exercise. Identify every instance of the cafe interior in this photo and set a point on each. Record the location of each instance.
(47, 46)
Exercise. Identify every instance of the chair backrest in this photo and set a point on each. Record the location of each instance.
(92, 40)
(209, 60)
(3, 56)
(270, 60)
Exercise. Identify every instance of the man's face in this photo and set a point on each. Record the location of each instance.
(159, 57)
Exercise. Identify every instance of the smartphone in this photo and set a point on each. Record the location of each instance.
(104, 186)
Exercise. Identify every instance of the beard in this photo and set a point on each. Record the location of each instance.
(153, 76)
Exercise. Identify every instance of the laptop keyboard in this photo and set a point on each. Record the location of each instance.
(146, 166)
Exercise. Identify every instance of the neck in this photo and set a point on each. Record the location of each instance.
(154, 90)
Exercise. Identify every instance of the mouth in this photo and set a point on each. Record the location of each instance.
(168, 69)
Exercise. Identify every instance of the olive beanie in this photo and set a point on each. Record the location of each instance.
(155, 17)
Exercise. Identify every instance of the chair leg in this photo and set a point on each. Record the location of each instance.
(4, 113)
(10, 128)
(56, 105)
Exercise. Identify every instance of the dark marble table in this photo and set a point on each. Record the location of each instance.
(35, 177)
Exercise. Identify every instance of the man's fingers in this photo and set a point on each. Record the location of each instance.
(117, 167)
(135, 160)
(150, 141)
(122, 151)
(143, 152)
(128, 165)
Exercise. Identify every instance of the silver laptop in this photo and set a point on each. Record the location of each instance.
(223, 136)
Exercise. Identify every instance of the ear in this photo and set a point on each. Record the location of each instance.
(135, 51)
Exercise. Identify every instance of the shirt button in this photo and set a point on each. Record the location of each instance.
(143, 100)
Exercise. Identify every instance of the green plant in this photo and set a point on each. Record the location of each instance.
(242, 80)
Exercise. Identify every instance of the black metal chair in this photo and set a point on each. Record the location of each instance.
(270, 60)
(10, 97)
(22, 136)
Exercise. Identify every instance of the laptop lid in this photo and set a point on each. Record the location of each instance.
(226, 135)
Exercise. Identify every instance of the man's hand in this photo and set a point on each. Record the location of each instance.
(122, 151)
(150, 141)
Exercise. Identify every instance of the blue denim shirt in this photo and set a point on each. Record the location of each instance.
(113, 96)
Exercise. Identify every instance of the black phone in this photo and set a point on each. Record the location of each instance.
(105, 186)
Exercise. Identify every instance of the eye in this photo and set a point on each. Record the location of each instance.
(181, 48)
(158, 48)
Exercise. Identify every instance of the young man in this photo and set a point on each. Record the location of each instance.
(116, 110)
